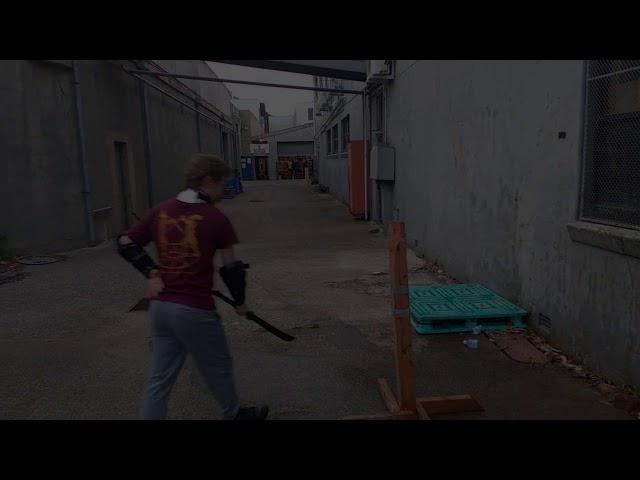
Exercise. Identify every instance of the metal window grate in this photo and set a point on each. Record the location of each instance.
(611, 166)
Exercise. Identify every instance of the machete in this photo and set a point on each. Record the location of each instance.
(143, 305)
(255, 318)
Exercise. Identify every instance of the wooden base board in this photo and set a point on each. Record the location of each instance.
(426, 407)
(385, 416)
(387, 395)
(422, 413)
(450, 404)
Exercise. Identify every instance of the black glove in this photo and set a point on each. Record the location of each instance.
(235, 278)
(136, 256)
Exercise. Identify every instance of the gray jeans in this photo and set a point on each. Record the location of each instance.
(178, 330)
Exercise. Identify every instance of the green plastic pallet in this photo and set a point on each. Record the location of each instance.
(460, 308)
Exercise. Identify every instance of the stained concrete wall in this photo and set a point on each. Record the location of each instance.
(333, 169)
(40, 180)
(40, 177)
(486, 187)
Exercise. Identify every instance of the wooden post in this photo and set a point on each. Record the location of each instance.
(400, 283)
(408, 407)
(387, 396)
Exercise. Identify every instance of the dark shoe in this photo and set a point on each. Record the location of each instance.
(259, 412)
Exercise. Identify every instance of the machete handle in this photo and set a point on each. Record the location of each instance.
(223, 297)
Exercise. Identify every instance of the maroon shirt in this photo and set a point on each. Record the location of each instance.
(187, 236)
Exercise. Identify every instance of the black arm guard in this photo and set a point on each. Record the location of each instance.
(235, 278)
(135, 255)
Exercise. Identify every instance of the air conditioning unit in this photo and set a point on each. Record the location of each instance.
(379, 70)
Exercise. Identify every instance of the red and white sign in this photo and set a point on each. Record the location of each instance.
(258, 149)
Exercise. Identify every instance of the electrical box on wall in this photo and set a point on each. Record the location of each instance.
(383, 163)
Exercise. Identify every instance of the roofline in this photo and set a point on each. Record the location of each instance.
(290, 129)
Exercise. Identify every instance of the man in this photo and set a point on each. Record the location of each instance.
(290, 166)
(188, 230)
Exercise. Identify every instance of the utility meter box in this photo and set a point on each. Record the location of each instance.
(383, 163)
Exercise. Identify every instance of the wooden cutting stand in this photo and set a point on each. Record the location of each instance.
(408, 406)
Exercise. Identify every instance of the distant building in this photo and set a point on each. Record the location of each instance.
(303, 113)
(290, 152)
(264, 118)
(251, 104)
(280, 122)
(250, 127)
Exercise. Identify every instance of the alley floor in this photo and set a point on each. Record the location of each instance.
(69, 348)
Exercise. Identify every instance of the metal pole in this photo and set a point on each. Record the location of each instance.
(176, 99)
(242, 82)
(86, 187)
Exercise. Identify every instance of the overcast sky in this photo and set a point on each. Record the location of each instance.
(279, 101)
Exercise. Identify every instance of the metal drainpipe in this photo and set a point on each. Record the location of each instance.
(86, 188)
(195, 103)
(147, 141)
(238, 149)
(366, 156)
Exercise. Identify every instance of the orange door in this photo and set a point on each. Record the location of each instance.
(356, 178)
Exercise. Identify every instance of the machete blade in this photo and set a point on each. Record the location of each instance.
(255, 318)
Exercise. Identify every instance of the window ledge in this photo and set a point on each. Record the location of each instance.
(620, 240)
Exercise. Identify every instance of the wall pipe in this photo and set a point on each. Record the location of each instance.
(82, 153)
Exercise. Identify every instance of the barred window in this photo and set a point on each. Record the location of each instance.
(345, 133)
(611, 166)
(334, 138)
(377, 112)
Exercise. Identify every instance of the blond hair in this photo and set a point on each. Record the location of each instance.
(203, 165)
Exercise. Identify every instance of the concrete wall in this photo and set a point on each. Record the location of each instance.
(40, 180)
(332, 169)
(40, 177)
(216, 93)
(486, 187)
